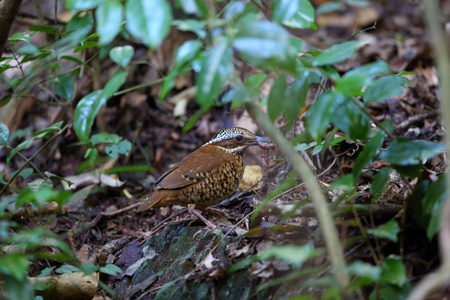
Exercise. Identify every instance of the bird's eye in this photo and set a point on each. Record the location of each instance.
(239, 138)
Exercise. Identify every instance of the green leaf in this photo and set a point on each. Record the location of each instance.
(267, 46)
(4, 135)
(296, 96)
(109, 17)
(114, 84)
(85, 113)
(371, 70)
(15, 265)
(295, 255)
(284, 10)
(46, 29)
(319, 115)
(67, 269)
(388, 231)
(20, 36)
(428, 199)
(13, 288)
(111, 269)
(83, 4)
(351, 85)
(350, 119)
(64, 86)
(216, 67)
(196, 7)
(275, 103)
(184, 56)
(379, 180)
(393, 271)
(24, 173)
(304, 17)
(362, 269)
(385, 87)
(294, 13)
(89, 268)
(123, 147)
(89, 105)
(403, 152)
(197, 27)
(148, 20)
(234, 10)
(366, 156)
(345, 183)
(122, 55)
(337, 53)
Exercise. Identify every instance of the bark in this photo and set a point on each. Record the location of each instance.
(8, 11)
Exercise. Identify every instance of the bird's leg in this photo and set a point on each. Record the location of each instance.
(192, 209)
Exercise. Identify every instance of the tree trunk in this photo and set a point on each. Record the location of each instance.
(8, 11)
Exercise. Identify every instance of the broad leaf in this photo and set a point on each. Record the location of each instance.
(267, 46)
(89, 105)
(379, 181)
(275, 103)
(82, 5)
(370, 150)
(385, 88)
(319, 115)
(64, 86)
(148, 20)
(393, 271)
(216, 66)
(109, 17)
(403, 152)
(122, 55)
(350, 119)
(388, 231)
(184, 55)
(337, 53)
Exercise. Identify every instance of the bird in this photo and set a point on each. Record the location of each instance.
(208, 175)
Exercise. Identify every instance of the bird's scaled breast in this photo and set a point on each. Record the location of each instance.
(218, 184)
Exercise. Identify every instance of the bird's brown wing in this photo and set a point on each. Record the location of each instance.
(193, 168)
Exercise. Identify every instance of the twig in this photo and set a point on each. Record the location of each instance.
(439, 41)
(330, 233)
(33, 156)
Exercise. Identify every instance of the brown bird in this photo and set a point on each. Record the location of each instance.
(208, 175)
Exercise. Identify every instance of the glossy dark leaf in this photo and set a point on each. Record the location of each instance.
(350, 119)
(109, 17)
(379, 180)
(319, 115)
(371, 70)
(184, 55)
(82, 5)
(367, 155)
(403, 152)
(148, 20)
(89, 105)
(121, 55)
(385, 88)
(393, 271)
(296, 96)
(337, 53)
(216, 67)
(64, 86)
(275, 103)
(266, 45)
(388, 231)
(351, 85)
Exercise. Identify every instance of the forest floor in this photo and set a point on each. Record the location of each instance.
(102, 221)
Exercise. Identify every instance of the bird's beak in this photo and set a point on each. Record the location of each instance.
(263, 143)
